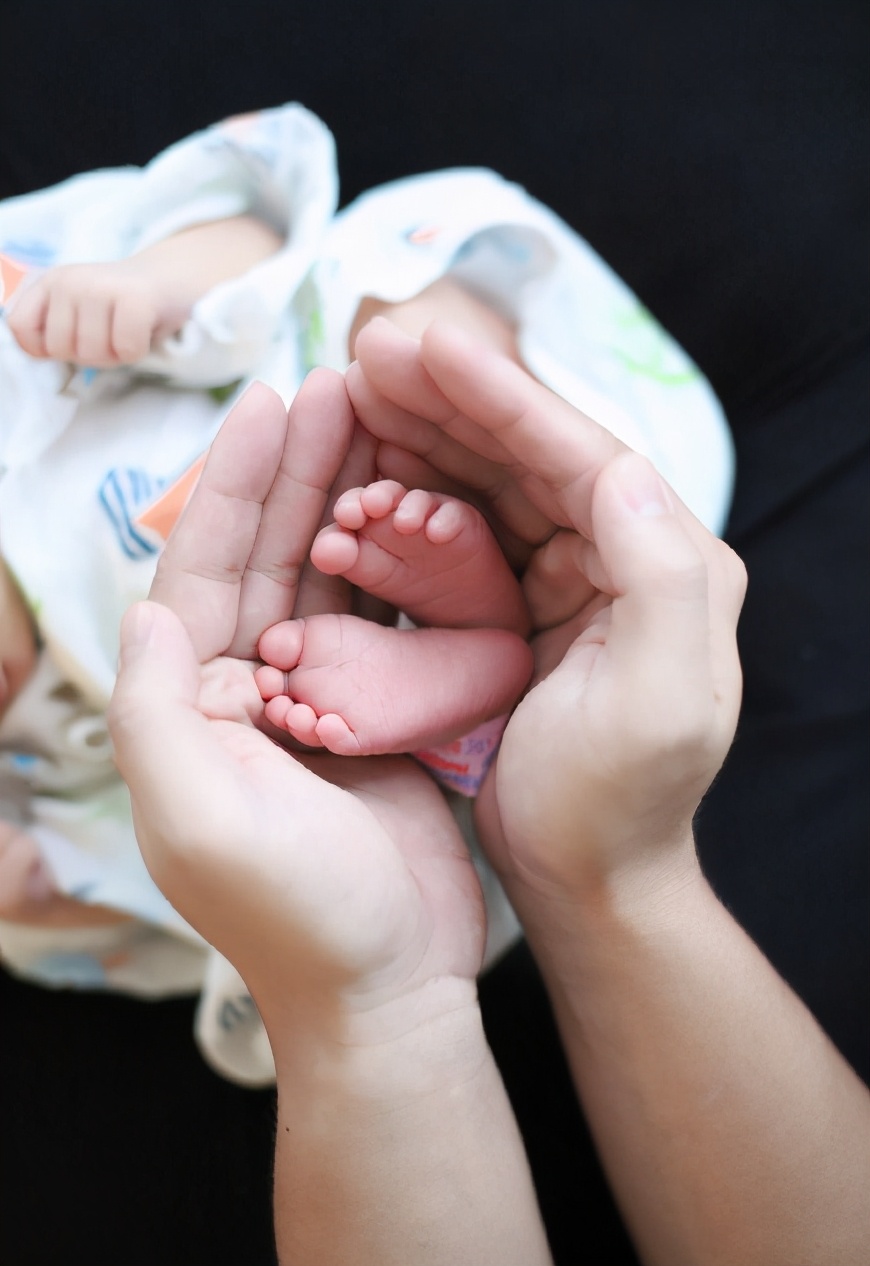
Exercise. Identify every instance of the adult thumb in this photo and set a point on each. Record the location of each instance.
(660, 634)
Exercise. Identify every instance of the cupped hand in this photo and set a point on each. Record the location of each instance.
(321, 879)
(638, 684)
(635, 699)
(340, 877)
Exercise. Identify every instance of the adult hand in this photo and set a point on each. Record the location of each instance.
(700, 1073)
(340, 889)
(638, 683)
(312, 875)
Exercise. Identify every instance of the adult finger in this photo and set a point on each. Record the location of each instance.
(319, 593)
(202, 568)
(555, 451)
(397, 401)
(672, 634)
(400, 406)
(482, 400)
(557, 582)
(317, 437)
(560, 450)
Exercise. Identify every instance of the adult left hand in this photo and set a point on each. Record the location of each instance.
(313, 875)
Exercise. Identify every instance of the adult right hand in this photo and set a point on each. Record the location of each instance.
(730, 1127)
(638, 684)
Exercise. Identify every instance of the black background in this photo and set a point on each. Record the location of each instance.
(716, 156)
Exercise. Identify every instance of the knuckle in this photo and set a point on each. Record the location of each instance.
(127, 348)
(732, 577)
(121, 718)
(683, 576)
(737, 573)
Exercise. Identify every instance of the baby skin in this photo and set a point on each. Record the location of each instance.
(100, 315)
(357, 688)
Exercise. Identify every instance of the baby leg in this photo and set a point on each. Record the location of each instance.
(359, 689)
(432, 556)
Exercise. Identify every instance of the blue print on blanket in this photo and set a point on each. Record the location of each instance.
(29, 252)
(123, 494)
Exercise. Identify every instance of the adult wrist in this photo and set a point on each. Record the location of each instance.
(381, 1071)
(601, 903)
(377, 1139)
(433, 1029)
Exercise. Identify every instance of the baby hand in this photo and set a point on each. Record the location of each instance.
(98, 315)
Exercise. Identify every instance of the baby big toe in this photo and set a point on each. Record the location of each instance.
(334, 550)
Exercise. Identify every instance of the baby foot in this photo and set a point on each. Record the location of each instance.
(430, 555)
(357, 688)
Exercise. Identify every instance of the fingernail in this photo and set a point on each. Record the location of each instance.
(643, 489)
(386, 326)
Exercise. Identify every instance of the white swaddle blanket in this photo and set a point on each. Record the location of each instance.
(94, 467)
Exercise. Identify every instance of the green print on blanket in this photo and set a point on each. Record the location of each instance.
(645, 349)
(309, 311)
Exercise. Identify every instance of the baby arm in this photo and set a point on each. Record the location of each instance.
(445, 300)
(107, 314)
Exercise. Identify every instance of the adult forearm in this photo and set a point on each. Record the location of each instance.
(730, 1127)
(401, 1151)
